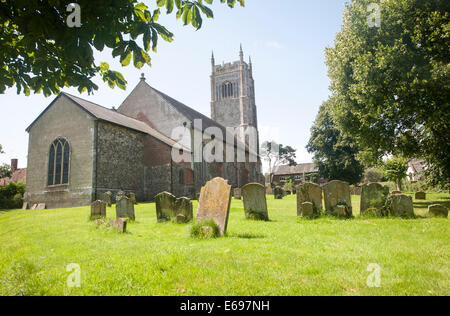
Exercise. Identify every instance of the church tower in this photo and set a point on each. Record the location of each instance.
(233, 94)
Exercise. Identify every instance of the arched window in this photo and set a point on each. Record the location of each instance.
(58, 162)
(227, 90)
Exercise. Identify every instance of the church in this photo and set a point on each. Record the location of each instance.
(79, 150)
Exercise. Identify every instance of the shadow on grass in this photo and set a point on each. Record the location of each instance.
(247, 236)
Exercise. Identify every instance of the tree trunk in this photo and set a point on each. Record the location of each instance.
(399, 185)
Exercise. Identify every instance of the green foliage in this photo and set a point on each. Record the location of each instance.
(374, 174)
(392, 83)
(5, 171)
(277, 154)
(289, 185)
(11, 195)
(1, 149)
(41, 53)
(205, 230)
(396, 170)
(335, 154)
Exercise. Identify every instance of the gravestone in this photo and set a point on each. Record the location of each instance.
(308, 210)
(336, 194)
(168, 207)
(309, 192)
(399, 205)
(237, 194)
(120, 195)
(132, 198)
(125, 208)
(107, 198)
(278, 192)
(120, 224)
(184, 210)
(420, 195)
(41, 206)
(25, 206)
(437, 210)
(373, 199)
(255, 203)
(214, 203)
(34, 207)
(98, 209)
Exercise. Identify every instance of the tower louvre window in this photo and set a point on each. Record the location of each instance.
(227, 90)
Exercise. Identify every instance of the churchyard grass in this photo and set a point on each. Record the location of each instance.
(285, 256)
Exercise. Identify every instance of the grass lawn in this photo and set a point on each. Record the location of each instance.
(286, 256)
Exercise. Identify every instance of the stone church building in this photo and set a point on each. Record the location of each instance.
(78, 150)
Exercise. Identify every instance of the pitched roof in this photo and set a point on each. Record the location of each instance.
(20, 175)
(112, 116)
(298, 169)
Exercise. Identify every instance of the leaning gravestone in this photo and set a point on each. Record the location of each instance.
(120, 224)
(214, 203)
(168, 207)
(237, 194)
(337, 195)
(278, 193)
(437, 210)
(25, 206)
(33, 208)
(125, 208)
(399, 205)
(107, 198)
(98, 209)
(420, 195)
(41, 206)
(373, 199)
(309, 192)
(255, 203)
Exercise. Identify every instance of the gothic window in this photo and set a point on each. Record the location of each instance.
(58, 162)
(227, 90)
(181, 177)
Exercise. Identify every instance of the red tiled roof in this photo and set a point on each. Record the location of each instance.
(20, 175)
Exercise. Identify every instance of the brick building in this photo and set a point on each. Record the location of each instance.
(78, 150)
(300, 173)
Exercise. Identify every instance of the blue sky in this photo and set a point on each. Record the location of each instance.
(286, 40)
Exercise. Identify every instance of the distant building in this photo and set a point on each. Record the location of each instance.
(416, 168)
(18, 175)
(301, 173)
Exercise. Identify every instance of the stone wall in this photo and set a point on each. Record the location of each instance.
(120, 160)
(67, 120)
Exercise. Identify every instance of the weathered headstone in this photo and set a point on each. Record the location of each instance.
(437, 210)
(337, 194)
(125, 208)
(237, 194)
(107, 198)
(119, 224)
(34, 207)
(120, 195)
(98, 209)
(399, 205)
(420, 195)
(373, 199)
(41, 206)
(25, 206)
(278, 192)
(168, 207)
(309, 192)
(214, 203)
(132, 197)
(308, 210)
(184, 210)
(255, 203)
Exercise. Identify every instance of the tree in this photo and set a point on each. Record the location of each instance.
(396, 170)
(392, 83)
(334, 153)
(5, 170)
(289, 185)
(1, 149)
(42, 49)
(277, 155)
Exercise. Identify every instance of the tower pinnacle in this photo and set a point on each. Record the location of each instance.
(241, 54)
